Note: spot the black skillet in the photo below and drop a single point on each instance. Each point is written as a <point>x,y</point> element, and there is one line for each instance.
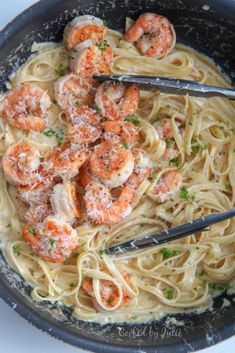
<point>206,25</point>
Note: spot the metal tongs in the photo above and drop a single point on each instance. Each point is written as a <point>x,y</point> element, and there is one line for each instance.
<point>170,85</point>
<point>199,225</point>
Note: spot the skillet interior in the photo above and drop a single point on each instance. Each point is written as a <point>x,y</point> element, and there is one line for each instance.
<point>210,31</point>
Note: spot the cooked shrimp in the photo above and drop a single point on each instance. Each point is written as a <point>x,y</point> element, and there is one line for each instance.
<point>116,100</point>
<point>82,28</point>
<point>53,239</point>
<point>70,90</point>
<point>20,163</point>
<point>85,176</point>
<point>85,126</point>
<point>36,214</point>
<point>91,60</point>
<point>38,192</point>
<point>65,201</point>
<point>167,186</point>
<point>108,292</point>
<point>102,209</point>
<point>122,131</point>
<point>65,161</point>
<point>153,35</point>
<point>165,132</point>
<point>26,107</point>
<point>112,163</point>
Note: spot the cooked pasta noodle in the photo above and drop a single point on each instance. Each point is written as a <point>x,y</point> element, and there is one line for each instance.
<point>177,276</point>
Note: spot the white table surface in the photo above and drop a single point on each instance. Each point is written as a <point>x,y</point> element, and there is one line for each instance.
<point>16,334</point>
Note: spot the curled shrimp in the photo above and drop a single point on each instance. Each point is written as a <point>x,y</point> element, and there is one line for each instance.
<point>153,35</point>
<point>20,163</point>
<point>116,100</point>
<point>38,213</point>
<point>100,206</point>
<point>165,132</point>
<point>26,107</point>
<point>112,163</point>
<point>65,161</point>
<point>53,240</point>
<point>82,28</point>
<point>65,201</point>
<point>88,60</point>
<point>85,127</point>
<point>121,131</point>
<point>37,192</point>
<point>166,186</point>
<point>70,90</point>
<point>108,292</point>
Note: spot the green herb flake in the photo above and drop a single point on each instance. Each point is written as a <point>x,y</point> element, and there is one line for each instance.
<point>16,249</point>
<point>59,134</point>
<point>134,317</point>
<point>168,142</point>
<point>201,273</point>
<point>154,175</point>
<point>105,23</point>
<point>175,161</point>
<point>102,46</point>
<point>83,244</point>
<point>182,126</point>
<point>48,132</point>
<point>169,294</point>
<point>52,241</point>
<point>167,253</point>
<point>219,286</point>
<point>96,108</point>
<point>61,70</point>
<point>31,229</point>
<point>184,195</point>
<point>74,50</point>
<point>125,146</point>
<point>8,226</point>
<point>234,150</point>
<point>72,285</point>
<point>101,251</point>
<point>132,120</point>
<point>102,120</point>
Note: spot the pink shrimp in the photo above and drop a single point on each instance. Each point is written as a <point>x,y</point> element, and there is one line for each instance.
<point>71,91</point>
<point>122,131</point>
<point>85,126</point>
<point>83,28</point>
<point>53,240</point>
<point>116,100</point>
<point>167,186</point>
<point>20,163</point>
<point>26,107</point>
<point>153,35</point>
<point>91,60</point>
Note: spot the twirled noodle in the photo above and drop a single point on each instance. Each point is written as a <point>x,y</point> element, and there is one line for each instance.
<point>167,278</point>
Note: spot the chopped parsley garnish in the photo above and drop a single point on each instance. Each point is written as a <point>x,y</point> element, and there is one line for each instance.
<point>175,161</point>
<point>184,195</point>
<point>234,150</point>
<point>219,286</point>
<point>102,120</point>
<point>8,226</point>
<point>77,103</point>
<point>197,146</point>
<point>125,146</point>
<point>154,176</point>
<point>102,46</point>
<point>48,132</point>
<point>74,50</point>
<point>167,253</point>
<point>132,120</point>
<point>61,70</point>
<point>52,241</point>
<point>134,317</point>
<point>83,244</point>
<point>169,294</point>
<point>101,251</point>
<point>105,23</point>
<point>32,229</point>
<point>72,285</point>
<point>201,273</point>
<point>16,249</point>
<point>168,142</point>
<point>58,133</point>
<point>182,126</point>
<point>96,108</point>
